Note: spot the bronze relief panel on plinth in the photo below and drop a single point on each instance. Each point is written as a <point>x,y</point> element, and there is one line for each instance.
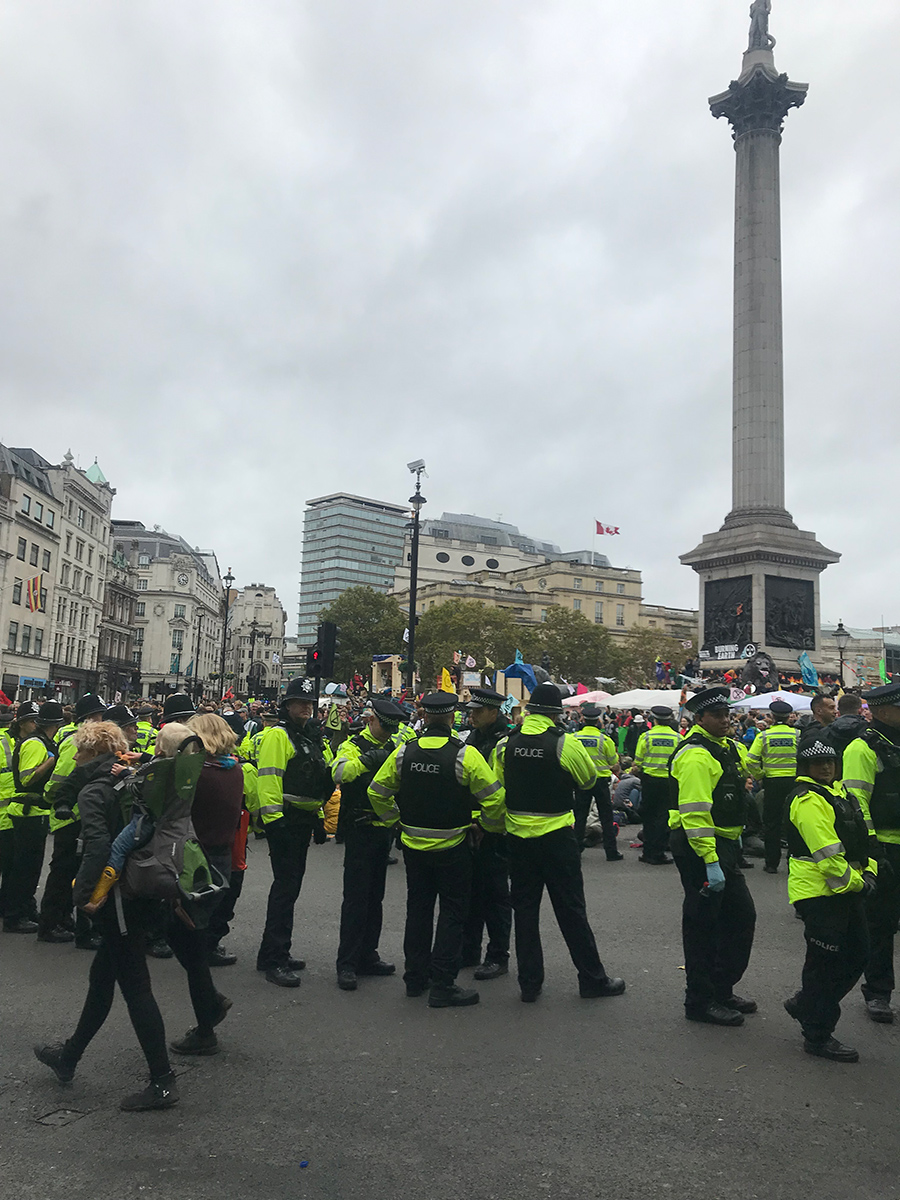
<point>790,613</point>
<point>727,617</point>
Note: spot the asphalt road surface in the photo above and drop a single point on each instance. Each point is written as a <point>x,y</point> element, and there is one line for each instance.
<point>383,1097</point>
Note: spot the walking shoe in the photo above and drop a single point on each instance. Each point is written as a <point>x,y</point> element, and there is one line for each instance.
<point>610,987</point>
<point>54,1057</point>
<point>159,949</point>
<point>392,862</point>
<point>378,967</point>
<point>220,957</point>
<point>879,1009</point>
<point>714,1014</point>
<point>792,1006</point>
<point>195,1042</point>
<point>283,977</point>
<point>529,995</point>
<point>94,942</point>
<point>491,968</point>
<point>416,989</point>
<point>346,979</point>
<point>661,860</point>
<point>739,1004</point>
<point>771,870</point>
<point>451,997</point>
<point>617,857</point>
<point>832,1049</point>
<point>745,864</point>
<point>224,1005</point>
<point>293,964</point>
<point>20,926</point>
<point>159,1093</point>
<point>57,936</point>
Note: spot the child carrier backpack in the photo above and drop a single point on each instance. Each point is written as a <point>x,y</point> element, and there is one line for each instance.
<point>172,864</point>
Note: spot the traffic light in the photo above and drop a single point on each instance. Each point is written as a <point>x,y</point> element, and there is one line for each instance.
<point>329,646</point>
<point>313,660</point>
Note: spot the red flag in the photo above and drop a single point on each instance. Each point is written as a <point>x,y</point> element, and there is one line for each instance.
<point>610,529</point>
<point>33,594</point>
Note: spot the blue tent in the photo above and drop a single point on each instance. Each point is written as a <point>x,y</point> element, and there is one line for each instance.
<point>521,671</point>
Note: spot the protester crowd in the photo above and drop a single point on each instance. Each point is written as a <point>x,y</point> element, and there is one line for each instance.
<point>149,812</point>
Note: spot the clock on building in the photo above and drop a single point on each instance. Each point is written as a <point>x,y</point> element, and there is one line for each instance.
<point>182,580</point>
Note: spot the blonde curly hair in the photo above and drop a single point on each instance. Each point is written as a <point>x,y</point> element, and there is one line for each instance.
<point>99,737</point>
<point>216,735</point>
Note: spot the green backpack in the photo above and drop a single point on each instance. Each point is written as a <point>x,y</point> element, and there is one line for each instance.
<point>172,864</point>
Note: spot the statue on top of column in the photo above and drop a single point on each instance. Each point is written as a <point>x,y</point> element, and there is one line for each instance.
<point>760,38</point>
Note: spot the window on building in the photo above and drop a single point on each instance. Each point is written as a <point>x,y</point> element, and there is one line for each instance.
<point>102,563</point>
<point>652,624</point>
<point>70,648</point>
<point>64,575</point>
<point>13,640</point>
<point>85,613</point>
<point>26,503</point>
<point>598,612</point>
<point>136,659</point>
<point>57,647</point>
<point>179,610</point>
<point>69,509</point>
<point>543,614</point>
<point>38,512</point>
<point>26,639</point>
<point>142,585</point>
<point>51,518</point>
<point>68,543</point>
<point>21,549</point>
<point>39,642</point>
<point>45,561</point>
<point>79,550</point>
<point>93,523</point>
<point>17,591</point>
<point>143,560</point>
<point>442,556</point>
<point>88,584</point>
<point>620,589</point>
<point>620,614</point>
<point>576,583</point>
<point>492,564</point>
<point>576,604</point>
<point>73,615</point>
<point>35,552</point>
<point>79,662</point>
<point>598,585</point>
<point>90,555</point>
<point>138,637</point>
<point>79,521</point>
<point>76,579</point>
<point>440,533</point>
<point>177,639</point>
<point>140,608</point>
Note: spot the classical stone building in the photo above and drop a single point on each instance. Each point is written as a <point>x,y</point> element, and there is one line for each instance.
<point>178,611</point>
<point>116,665</point>
<point>256,642</point>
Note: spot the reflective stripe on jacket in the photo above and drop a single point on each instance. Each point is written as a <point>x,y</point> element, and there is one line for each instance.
<point>573,758</point>
<point>773,754</point>
<point>826,872</point>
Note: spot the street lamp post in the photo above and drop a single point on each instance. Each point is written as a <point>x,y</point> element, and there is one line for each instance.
<point>416,500</point>
<point>841,637</point>
<point>229,580</point>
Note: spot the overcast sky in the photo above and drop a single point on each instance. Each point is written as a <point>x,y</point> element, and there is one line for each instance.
<point>256,251</point>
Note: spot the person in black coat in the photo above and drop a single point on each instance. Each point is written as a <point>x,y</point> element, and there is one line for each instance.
<point>121,957</point>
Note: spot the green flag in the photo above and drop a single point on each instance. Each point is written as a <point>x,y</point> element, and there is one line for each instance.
<point>882,671</point>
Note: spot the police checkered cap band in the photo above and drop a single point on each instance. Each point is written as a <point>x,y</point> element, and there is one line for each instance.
<point>440,702</point>
<point>888,694</point>
<point>483,698</point>
<point>817,749</point>
<point>711,698</point>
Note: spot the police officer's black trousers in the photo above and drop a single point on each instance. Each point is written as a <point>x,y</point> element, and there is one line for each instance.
<point>775,794</point>
<point>837,946</point>
<point>883,914</point>
<point>288,839</point>
<point>599,793</point>
<point>366,851</point>
<point>56,902</point>
<point>552,861</point>
<point>655,814</point>
<point>29,839</point>
<point>490,904</point>
<point>446,876</point>
<point>7,858</point>
<point>716,927</point>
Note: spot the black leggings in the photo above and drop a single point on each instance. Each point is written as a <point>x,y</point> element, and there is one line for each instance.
<point>122,959</point>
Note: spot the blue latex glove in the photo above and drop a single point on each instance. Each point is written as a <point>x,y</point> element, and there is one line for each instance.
<point>715,877</point>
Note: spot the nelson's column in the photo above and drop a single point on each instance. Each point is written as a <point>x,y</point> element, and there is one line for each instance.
<point>759,574</point>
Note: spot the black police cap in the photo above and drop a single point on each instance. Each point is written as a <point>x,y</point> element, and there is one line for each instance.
<point>888,693</point>
<point>436,703</point>
<point>388,712</point>
<point>711,697</point>
<point>485,698</point>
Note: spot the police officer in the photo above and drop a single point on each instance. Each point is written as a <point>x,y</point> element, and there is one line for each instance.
<point>871,769</point>
<point>718,915</point>
<point>55,919</point>
<point>367,842</point>
<point>829,875</point>
<point>33,757</point>
<point>146,740</point>
<point>651,761</point>
<point>293,781</point>
<point>431,786</point>
<point>540,767</point>
<point>490,904</point>
<point>773,759</point>
<point>6,790</point>
<point>603,754</point>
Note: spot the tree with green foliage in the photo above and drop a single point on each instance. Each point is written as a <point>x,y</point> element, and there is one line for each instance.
<point>488,634</point>
<point>638,652</point>
<point>579,650</point>
<point>370,623</point>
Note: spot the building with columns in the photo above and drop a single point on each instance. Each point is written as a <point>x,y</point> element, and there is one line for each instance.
<point>256,642</point>
<point>759,573</point>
